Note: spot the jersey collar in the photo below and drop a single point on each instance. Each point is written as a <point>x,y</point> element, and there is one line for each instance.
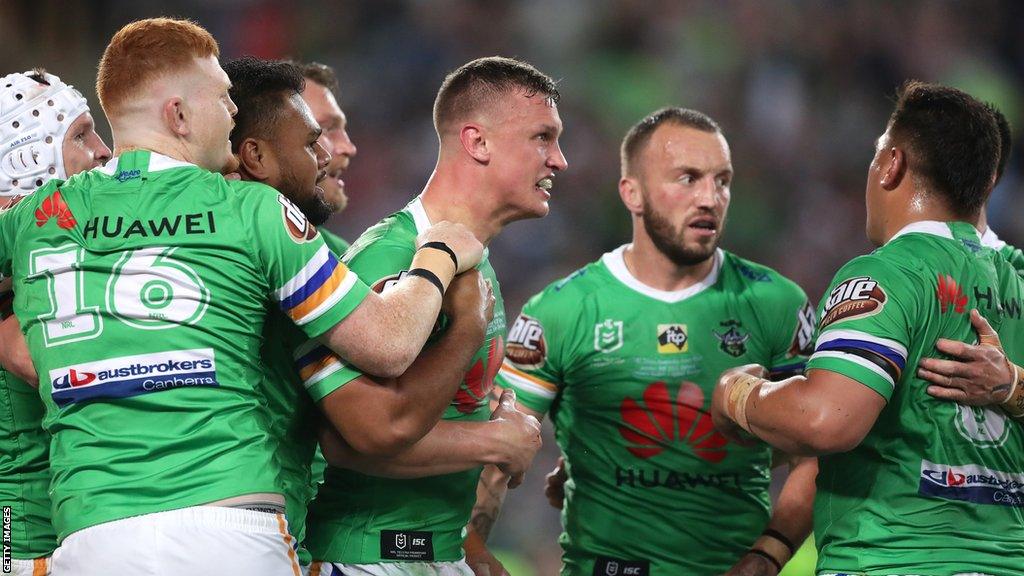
<point>933,227</point>
<point>137,158</point>
<point>616,264</point>
<point>422,222</point>
<point>990,239</point>
<point>419,214</point>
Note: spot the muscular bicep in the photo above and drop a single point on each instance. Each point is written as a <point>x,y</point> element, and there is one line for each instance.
<point>14,354</point>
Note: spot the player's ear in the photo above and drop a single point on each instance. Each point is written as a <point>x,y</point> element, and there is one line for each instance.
<point>474,142</point>
<point>254,161</point>
<point>629,191</point>
<point>176,117</point>
<point>895,168</point>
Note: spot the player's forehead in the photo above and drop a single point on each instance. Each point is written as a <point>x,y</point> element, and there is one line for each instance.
<point>301,117</point>
<point>675,145</point>
<point>519,109</point>
<point>322,102</point>
<point>209,71</point>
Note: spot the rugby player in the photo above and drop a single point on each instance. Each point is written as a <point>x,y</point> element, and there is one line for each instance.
<point>321,95</point>
<point>46,131</point>
<point>977,375</point>
<point>498,128</point>
<point>157,281</point>
<point>911,485</point>
<point>625,353</point>
<point>278,142</point>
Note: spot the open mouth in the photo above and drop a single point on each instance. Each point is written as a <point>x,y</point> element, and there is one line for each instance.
<point>704,225</point>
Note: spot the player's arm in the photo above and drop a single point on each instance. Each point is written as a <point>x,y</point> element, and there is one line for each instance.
<point>14,351</point>
<point>386,332</point>
<point>490,495</point>
<point>509,440</point>
<point>977,375</point>
<point>821,413</point>
<point>790,524</point>
<point>378,417</point>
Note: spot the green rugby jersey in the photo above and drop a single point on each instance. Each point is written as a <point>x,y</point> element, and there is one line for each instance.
<point>359,519</point>
<point>293,413</point>
<point>1015,256</point>
<point>24,459</point>
<point>142,287</point>
<point>25,469</point>
<point>935,487</point>
<point>627,372</point>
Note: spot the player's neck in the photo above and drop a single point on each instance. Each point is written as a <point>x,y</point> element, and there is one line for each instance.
<point>126,142</point>
<point>923,206</point>
<point>652,268</point>
<point>449,197</point>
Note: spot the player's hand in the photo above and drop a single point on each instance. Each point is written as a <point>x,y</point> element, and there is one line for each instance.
<point>480,559</point>
<point>554,484</point>
<point>483,563</point>
<point>752,565</point>
<point>469,298</point>
<point>520,435</point>
<point>979,375</point>
<point>467,248</point>
<point>719,400</point>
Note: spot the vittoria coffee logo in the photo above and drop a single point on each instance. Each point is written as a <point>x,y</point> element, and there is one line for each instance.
<point>55,207</point>
<point>854,298</point>
<point>657,421</point>
<point>526,345</point>
<point>295,221</point>
<point>950,295</point>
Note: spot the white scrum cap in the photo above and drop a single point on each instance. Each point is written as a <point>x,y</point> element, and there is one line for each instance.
<point>34,117</point>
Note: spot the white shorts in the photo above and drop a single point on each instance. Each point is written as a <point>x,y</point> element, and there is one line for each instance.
<point>196,541</point>
<point>34,567</point>
<point>459,568</point>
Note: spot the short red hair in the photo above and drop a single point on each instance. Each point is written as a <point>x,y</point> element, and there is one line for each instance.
<point>145,49</point>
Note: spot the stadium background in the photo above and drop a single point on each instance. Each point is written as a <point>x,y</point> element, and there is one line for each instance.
<point>800,88</point>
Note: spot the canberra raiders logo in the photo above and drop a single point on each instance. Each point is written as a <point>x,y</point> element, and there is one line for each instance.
<point>732,341</point>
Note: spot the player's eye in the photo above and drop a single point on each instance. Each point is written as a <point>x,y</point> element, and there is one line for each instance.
<point>687,179</point>
<point>722,182</point>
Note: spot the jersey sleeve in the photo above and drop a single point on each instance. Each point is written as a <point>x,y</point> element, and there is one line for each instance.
<point>310,284</point>
<point>533,364</point>
<point>321,370</point>
<point>791,330</point>
<point>866,323</point>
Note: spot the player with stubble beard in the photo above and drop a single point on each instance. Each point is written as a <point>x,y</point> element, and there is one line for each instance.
<point>625,353</point>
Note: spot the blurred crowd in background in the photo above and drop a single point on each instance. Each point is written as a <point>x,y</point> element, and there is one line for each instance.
<point>801,89</point>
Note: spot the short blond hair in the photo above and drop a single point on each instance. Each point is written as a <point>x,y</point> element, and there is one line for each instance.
<point>145,49</point>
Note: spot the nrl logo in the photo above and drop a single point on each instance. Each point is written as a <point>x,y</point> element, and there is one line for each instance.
<point>732,341</point>
<point>400,541</point>
<point>608,336</point>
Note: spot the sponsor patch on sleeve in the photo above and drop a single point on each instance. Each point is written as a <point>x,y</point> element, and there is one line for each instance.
<point>854,298</point>
<point>295,221</point>
<point>803,340</point>
<point>526,345</point>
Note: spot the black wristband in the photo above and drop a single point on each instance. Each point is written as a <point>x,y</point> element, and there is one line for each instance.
<point>772,533</point>
<point>769,557</point>
<point>428,276</point>
<point>444,248</point>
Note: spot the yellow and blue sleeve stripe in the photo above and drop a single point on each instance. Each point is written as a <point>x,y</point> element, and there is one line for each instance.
<point>323,288</point>
<point>321,370</point>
